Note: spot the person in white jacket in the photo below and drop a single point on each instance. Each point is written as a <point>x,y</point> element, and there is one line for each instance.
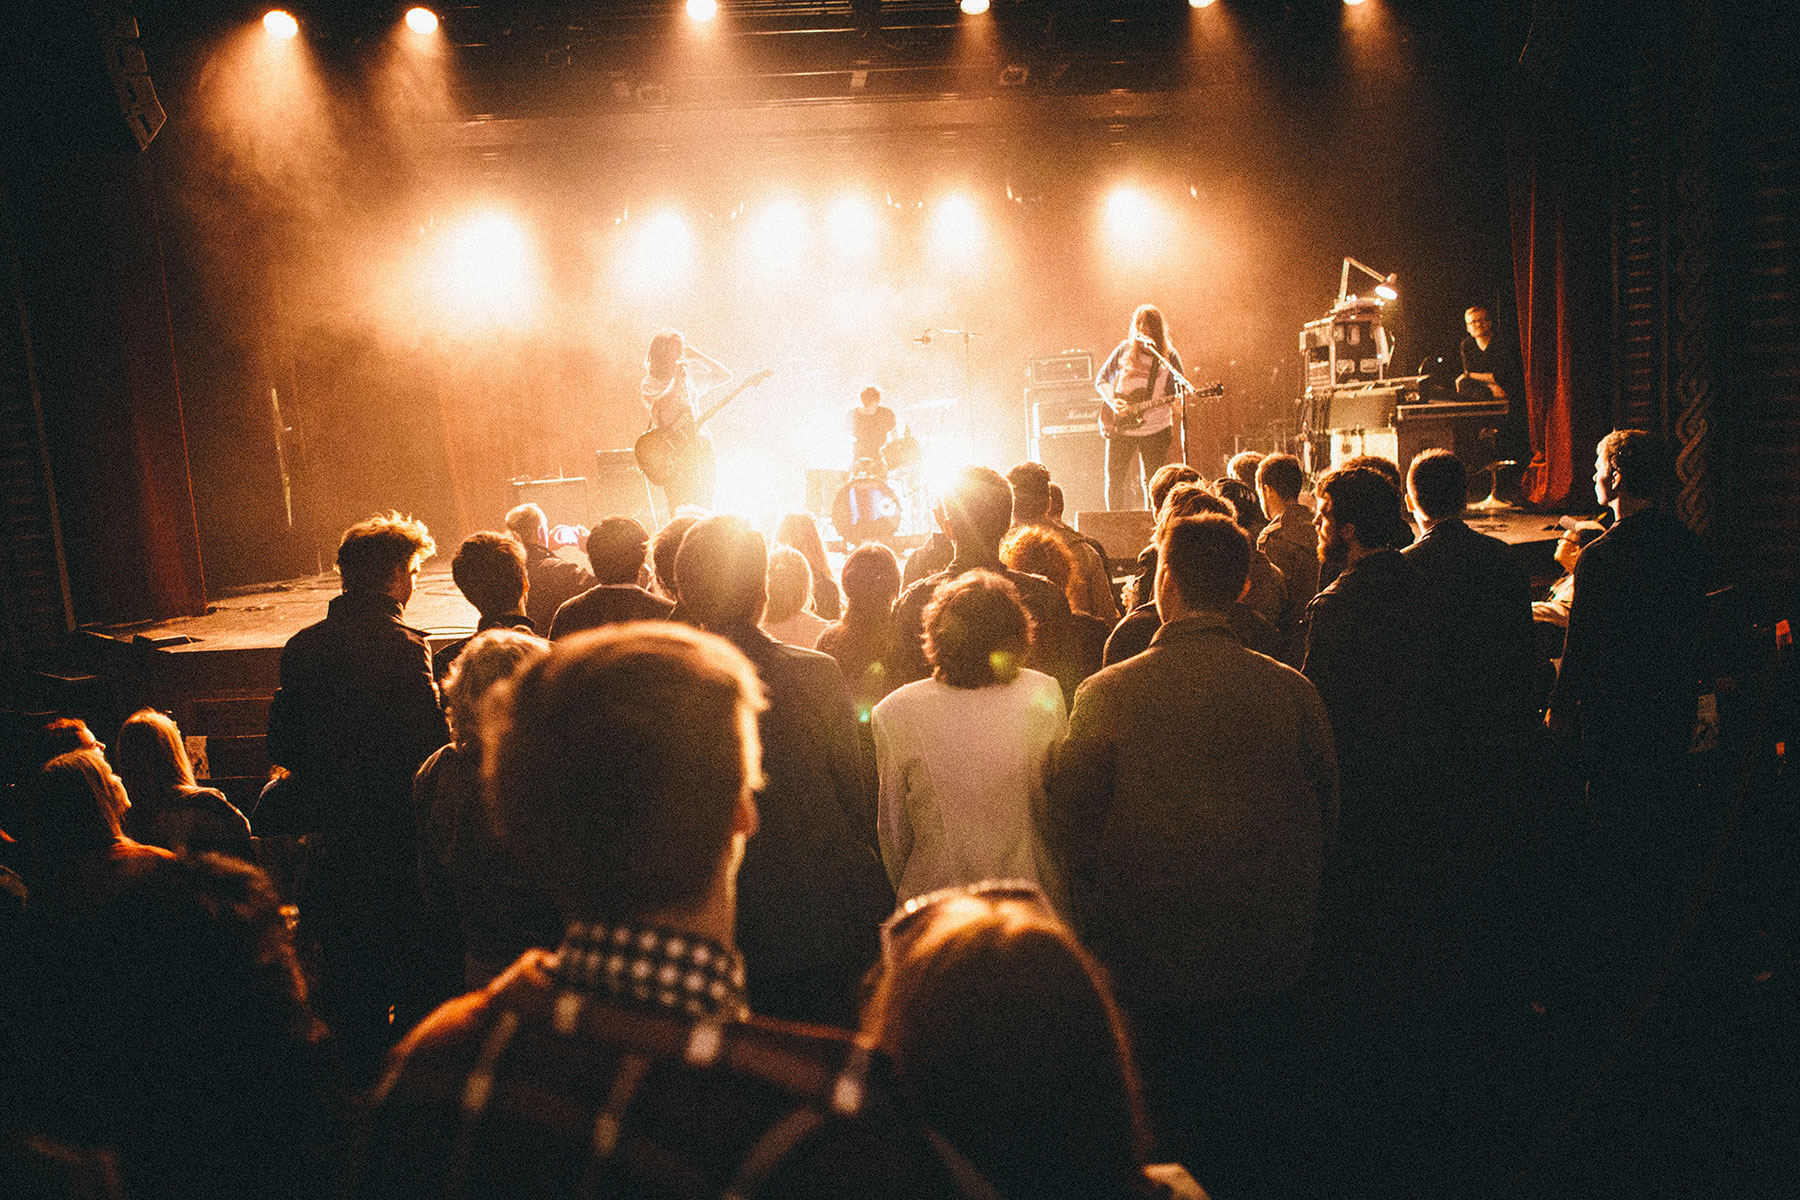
<point>963,755</point>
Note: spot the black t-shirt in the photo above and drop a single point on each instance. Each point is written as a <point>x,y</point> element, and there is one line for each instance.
<point>1476,359</point>
<point>1497,360</point>
<point>870,428</point>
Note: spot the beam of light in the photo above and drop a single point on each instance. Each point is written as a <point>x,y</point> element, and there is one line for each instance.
<point>656,257</point>
<point>974,8</point>
<point>1200,3</point>
<point>421,20</point>
<point>702,10</point>
<point>1354,3</point>
<point>853,225</point>
<point>943,456</point>
<point>957,230</point>
<point>280,23</point>
<point>751,489</point>
<point>1134,223</point>
<point>775,236</point>
<point>486,271</point>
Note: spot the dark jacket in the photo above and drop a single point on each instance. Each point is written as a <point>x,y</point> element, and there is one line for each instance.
<point>608,604</point>
<point>355,715</point>
<point>1632,656</point>
<point>812,893</point>
<point>1134,632</point>
<point>447,654</point>
<point>554,581</point>
<point>1374,656</point>
<point>1483,601</point>
<point>1195,800</point>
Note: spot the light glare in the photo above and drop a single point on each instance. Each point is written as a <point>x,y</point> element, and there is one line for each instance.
<point>852,225</point>
<point>421,20</point>
<point>487,273</point>
<point>956,228</point>
<point>974,8</point>
<point>1135,224</point>
<point>280,24</point>
<point>1353,3</point>
<point>775,236</point>
<point>1200,3</point>
<point>702,10</point>
<point>1128,211</point>
<point>657,257</point>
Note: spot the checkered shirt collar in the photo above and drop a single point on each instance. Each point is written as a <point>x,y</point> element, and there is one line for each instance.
<point>646,967</point>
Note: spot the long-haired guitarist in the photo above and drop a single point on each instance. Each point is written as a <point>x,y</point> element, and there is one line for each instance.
<point>669,392</point>
<point>1140,392</point>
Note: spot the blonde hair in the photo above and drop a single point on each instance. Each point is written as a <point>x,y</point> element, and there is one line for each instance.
<point>151,755</point>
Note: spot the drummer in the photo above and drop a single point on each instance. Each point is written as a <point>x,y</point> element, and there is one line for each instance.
<point>871,426</point>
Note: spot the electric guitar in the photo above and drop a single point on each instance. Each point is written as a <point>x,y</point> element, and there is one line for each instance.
<point>1122,414</point>
<point>678,452</point>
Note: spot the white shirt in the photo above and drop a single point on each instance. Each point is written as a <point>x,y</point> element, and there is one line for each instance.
<point>962,782</point>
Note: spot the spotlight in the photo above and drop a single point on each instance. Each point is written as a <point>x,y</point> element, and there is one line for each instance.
<point>280,24</point>
<point>656,255</point>
<point>956,228</point>
<point>421,20</point>
<point>1200,3</point>
<point>775,236</point>
<point>853,225</point>
<point>1129,210</point>
<point>487,270</point>
<point>974,8</point>
<point>1353,3</point>
<point>703,10</point>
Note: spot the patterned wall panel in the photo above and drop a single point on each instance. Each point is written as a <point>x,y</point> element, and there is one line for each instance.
<point>34,585</point>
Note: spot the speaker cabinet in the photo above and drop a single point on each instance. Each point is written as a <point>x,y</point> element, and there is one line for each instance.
<point>1077,462</point>
<point>564,500</point>
<point>1123,533</point>
<point>619,489</point>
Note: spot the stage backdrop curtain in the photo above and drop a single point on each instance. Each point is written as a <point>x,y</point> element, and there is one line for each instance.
<point>1538,192</point>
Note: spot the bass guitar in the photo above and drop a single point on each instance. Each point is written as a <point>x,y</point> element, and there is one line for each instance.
<point>677,453</point>
<point>1122,414</point>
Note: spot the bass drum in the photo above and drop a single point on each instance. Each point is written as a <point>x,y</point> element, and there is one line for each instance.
<point>865,510</point>
<point>901,454</point>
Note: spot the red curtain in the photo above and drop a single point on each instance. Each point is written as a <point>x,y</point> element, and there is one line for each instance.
<point>1538,192</point>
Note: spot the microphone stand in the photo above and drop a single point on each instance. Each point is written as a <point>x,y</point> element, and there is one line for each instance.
<point>968,375</point>
<point>1183,389</point>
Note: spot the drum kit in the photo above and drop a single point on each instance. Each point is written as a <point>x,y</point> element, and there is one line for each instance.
<point>889,497</point>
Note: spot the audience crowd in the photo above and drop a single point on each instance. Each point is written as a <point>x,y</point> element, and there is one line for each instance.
<point>703,871</point>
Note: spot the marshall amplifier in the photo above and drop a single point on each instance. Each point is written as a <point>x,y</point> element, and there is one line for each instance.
<point>1059,418</point>
<point>1065,436</point>
<point>1071,366</point>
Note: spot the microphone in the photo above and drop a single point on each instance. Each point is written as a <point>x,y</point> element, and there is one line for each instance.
<point>924,339</point>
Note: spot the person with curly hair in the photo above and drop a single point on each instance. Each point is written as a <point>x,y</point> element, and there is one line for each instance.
<point>962,755</point>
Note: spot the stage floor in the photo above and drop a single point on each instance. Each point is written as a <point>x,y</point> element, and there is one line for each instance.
<point>264,617</point>
<point>261,616</point>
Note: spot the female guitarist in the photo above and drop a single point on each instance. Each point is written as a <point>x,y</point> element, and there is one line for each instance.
<point>686,463</point>
<point>1140,393</point>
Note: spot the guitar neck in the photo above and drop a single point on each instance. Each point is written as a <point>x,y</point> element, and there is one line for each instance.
<point>713,410</point>
<point>748,383</point>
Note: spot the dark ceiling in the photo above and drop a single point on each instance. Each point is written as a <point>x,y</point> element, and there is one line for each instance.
<point>530,58</point>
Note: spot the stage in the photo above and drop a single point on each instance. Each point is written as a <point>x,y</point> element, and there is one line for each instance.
<point>216,673</point>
